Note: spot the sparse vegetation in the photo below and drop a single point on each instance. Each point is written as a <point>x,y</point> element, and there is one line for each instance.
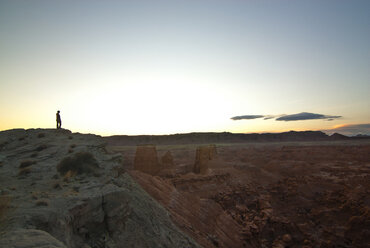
<point>120,170</point>
<point>41,147</point>
<point>25,167</point>
<point>41,135</point>
<point>24,171</point>
<point>42,202</point>
<point>80,163</point>
<point>4,209</point>
<point>26,163</point>
<point>57,185</point>
<point>4,206</point>
<point>69,175</point>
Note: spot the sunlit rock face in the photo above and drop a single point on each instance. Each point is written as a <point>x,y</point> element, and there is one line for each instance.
<point>203,156</point>
<point>146,159</point>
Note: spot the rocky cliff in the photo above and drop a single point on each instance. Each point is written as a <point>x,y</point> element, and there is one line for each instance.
<point>52,196</point>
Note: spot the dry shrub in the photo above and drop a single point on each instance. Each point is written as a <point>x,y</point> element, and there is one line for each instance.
<point>41,147</point>
<point>69,175</point>
<point>24,171</point>
<point>4,209</point>
<point>26,163</point>
<point>119,170</point>
<point>79,163</point>
<point>41,135</point>
<point>4,206</point>
<point>57,185</point>
<point>42,202</point>
<point>35,195</point>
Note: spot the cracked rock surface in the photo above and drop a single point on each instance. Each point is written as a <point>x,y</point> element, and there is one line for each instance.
<point>40,207</point>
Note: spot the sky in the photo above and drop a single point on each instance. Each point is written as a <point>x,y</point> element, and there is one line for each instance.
<point>164,67</point>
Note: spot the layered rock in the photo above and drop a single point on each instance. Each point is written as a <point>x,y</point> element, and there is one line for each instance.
<point>167,161</point>
<point>146,159</point>
<point>204,154</point>
<point>83,209</point>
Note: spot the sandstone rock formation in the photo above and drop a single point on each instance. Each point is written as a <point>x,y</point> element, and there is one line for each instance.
<point>272,195</point>
<point>203,155</point>
<point>167,161</point>
<point>146,159</point>
<point>86,210</point>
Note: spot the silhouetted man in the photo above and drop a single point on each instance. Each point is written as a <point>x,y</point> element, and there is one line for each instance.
<point>59,121</point>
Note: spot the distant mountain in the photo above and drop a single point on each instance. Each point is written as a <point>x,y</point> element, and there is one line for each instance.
<point>338,136</point>
<point>225,137</point>
<point>361,136</point>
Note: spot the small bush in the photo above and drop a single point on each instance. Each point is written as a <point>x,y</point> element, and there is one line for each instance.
<point>24,171</point>
<point>80,163</point>
<point>41,135</point>
<point>69,175</point>
<point>26,163</point>
<point>4,209</point>
<point>42,202</point>
<point>57,185</point>
<point>4,206</point>
<point>41,147</point>
<point>34,155</point>
<point>72,146</point>
<point>70,137</point>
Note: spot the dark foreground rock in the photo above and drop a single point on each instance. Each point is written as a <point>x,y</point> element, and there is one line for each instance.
<point>45,208</point>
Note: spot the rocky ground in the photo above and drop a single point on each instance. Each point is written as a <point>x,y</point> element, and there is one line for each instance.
<point>63,189</point>
<point>264,194</point>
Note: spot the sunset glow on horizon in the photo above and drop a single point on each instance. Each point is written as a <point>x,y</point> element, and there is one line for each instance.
<point>148,67</point>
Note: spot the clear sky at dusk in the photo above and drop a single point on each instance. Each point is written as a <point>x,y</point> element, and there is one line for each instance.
<point>161,67</point>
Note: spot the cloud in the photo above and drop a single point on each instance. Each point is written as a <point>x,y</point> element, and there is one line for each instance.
<point>268,117</point>
<point>246,117</point>
<point>293,117</point>
<point>306,116</point>
<point>350,129</point>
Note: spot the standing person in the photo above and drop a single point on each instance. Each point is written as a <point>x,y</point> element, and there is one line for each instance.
<point>59,121</point>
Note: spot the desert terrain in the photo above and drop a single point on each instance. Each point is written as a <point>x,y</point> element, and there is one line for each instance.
<point>262,194</point>
<point>62,189</point>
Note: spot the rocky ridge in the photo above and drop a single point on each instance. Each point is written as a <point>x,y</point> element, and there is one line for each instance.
<point>104,207</point>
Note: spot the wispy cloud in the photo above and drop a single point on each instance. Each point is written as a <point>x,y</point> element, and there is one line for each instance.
<point>350,129</point>
<point>246,117</point>
<point>306,116</point>
<point>293,117</point>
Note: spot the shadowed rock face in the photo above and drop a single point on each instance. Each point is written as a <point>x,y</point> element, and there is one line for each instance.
<point>167,161</point>
<point>44,209</point>
<point>146,159</point>
<point>203,156</point>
